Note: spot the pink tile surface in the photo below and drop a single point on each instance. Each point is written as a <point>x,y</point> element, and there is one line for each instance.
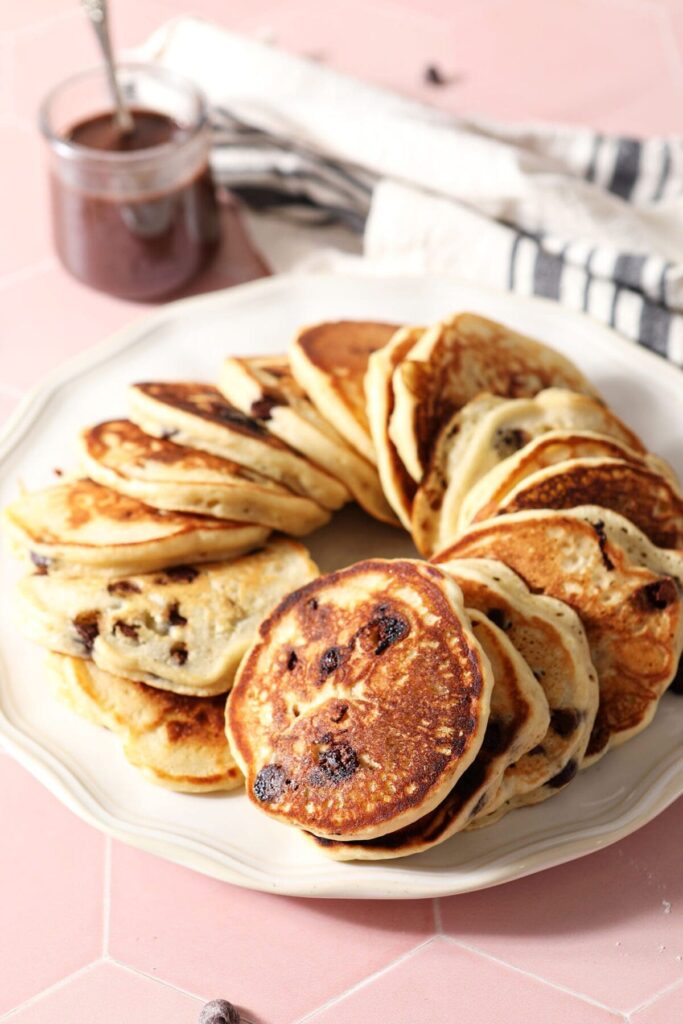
<point>628,898</point>
<point>443,983</point>
<point>608,928</point>
<point>106,993</point>
<point>246,946</point>
<point>51,877</point>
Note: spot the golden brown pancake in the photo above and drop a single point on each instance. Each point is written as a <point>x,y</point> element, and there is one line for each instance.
<point>176,477</point>
<point>626,592</point>
<point>329,361</point>
<point>79,524</point>
<point>362,702</point>
<point>517,721</point>
<point>177,742</point>
<point>458,359</point>
<point>197,415</point>
<point>643,496</point>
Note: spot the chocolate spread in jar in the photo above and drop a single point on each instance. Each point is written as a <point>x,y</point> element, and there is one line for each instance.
<point>146,246</point>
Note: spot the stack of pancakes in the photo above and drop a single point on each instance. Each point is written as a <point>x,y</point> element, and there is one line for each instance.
<point>384,707</point>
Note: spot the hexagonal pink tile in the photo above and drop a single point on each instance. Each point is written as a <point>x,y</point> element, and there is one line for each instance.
<point>608,926</point>
<point>443,983</point>
<point>51,885</point>
<point>23,200</point>
<point>277,957</point>
<point>664,1010</point>
<point>106,993</point>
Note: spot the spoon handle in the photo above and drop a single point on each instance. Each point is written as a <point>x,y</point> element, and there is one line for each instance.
<point>97,13</point>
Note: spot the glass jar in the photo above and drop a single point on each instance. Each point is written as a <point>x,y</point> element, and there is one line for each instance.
<point>135,216</point>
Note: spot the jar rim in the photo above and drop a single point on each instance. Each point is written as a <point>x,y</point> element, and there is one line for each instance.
<point>71,150</point>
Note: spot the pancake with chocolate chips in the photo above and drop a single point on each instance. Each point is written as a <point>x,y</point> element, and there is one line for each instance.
<point>182,629</point>
<point>170,476</point>
<point>454,361</point>
<point>645,497</point>
<point>177,742</point>
<point>518,719</point>
<point>363,700</point>
<point>197,415</point>
<point>329,361</point>
<point>486,496</point>
<point>79,525</point>
<point>486,432</point>
<point>551,639</point>
<point>397,482</point>
<point>264,387</point>
<point>626,591</point>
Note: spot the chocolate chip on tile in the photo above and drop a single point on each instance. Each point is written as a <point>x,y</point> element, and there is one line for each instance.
<point>219,1011</point>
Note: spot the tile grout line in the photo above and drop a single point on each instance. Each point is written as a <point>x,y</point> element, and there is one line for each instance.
<point>106,896</point>
<point>341,996</point>
<point>55,987</point>
<point>151,977</point>
<point>535,977</point>
<point>678,983</point>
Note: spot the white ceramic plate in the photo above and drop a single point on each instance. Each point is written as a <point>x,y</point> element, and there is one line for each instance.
<point>223,835</point>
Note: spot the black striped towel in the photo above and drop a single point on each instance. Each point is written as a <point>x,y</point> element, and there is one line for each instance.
<point>590,220</point>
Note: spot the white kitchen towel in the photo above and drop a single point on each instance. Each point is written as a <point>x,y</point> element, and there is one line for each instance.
<point>590,220</point>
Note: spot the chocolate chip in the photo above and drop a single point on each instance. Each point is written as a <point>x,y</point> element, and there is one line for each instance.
<point>312,604</point>
<point>263,407</point>
<point>166,435</point>
<point>434,76</point>
<point>292,661</point>
<point>497,617</point>
<point>390,629</point>
<point>219,1011</point>
<point>174,617</point>
<point>269,783</point>
<point>181,573</point>
<point>537,750</point>
<point>123,587</point>
<point>658,594</point>
<point>330,661</point>
<point>599,528</point>
<point>508,441</point>
<point>497,736</point>
<point>178,654</point>
<point>563,777</point>
<point>128,629</point>
<point>41,562</point>
<point>335,764</point>
<point>340,714</point>
<point>564,721</point>
<point>87,627</point>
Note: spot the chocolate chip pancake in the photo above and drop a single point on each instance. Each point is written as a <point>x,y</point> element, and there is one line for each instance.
<point>518,719</point>
<point>329,361</point>
<point>166,475</point>
<point>626,591</point>
<point>364,699</point>
<point>486,432</point>
<point>486,496</point>
<point>456,360</point>
<point>197,415</point>
<point>264,388</point>
<point>652,504</point>
<point>79,525</point>
<point>551,639</point>
<point>177,742</point>
<point>397,482</point>
<point>184,628</point>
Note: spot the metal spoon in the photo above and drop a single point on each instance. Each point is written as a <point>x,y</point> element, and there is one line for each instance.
<point>97,13</point>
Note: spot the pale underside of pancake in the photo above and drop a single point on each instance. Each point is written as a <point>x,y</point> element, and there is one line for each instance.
<point>264,387</point>
<point>197,415</point>
<point>329,361</point>
<point>397,482</point>
<point>636,492</point>
<point>626,591</point>
<point>79,525</point>
<point>458,359</point>
<point>484,433</point>
<point>551,639</point>
<point>485,497</point>
<point>518,719</point>
<point>362,702</point>
<point>182,629</point>
<point>177,742</point>
<point>166,475</point>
